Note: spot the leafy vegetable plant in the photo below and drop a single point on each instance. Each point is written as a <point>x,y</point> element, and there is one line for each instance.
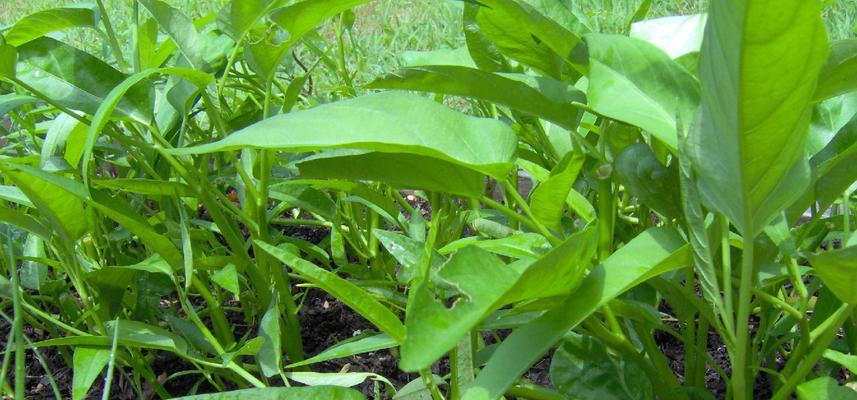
<point>546,193</point>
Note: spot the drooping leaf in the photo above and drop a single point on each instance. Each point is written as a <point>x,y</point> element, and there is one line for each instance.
<point>410,172</point>
<point>64,210</point>
<point>88,364</point>
<point>655,251</point>
<point>471,82</point>
<point>65,138</point>
<point>839,73</point>
<point>300,18</point>
<point>635,82</point>
<point>283,393</point>
<point>838,270</point>
<point>11,101</point>
<point>271,354</point>
<point>386,122</point>
<point>78,80</point>
<point>648,180</point>
<point>748,145</point>
<point>523,34</point>
<point>353,296</point>
<point>41,23</point>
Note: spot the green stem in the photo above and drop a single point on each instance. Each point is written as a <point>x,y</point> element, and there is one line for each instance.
<point>827,333</point>
<point>742,384</point>
<point>111,36</point>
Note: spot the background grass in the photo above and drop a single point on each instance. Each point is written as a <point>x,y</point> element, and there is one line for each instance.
<point>384,29</point>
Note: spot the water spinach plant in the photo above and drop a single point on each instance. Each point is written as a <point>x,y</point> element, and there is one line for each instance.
<point>545,192</point>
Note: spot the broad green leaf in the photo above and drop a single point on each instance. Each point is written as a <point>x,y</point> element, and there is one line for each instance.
<point>846,360</point>
<point>496,88</point>
<point>387,122</point>
<point>518,245</point>
<point>676,35</point>
<point>264,52</point>
<point>15,195</point>
<point>456,57</point>
<point>648,180</point>
<point>748,144</point>
<point>828,118</point>
<point>653,252</point>
<point>353,296</point>
<point>832,166</point>
<point>65,137</point>
<point>410,172</point>
<point>154,264</point>
<point>17,217</point>
<point>11,101</point>
<point>341,379</point>
<point>838,270</point>
<point>527,36</point>
<point>825,388</point>
<point>180,29</point>
<point>63,209</point>
<point>150,187</point>
<point>227,278</point>
<point>350,348</point>
<point>8,59</point>
<point>79,80</point>
<point>33,273</point>
<point>839,73</point>
<point>88,364</point>
<point>41,23</point>
<point>283,393</point>
<point>270,356</point>
<point>635,82</point>
<point>300,18</point>
<point>484,283</point>
<point>547,201</point>
<point>237,17</point>
<point>434,328</point>
<point>582,368</point>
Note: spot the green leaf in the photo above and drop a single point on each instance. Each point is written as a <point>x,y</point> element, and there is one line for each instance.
<point>149,187</point>
<point>180,29</point>
<point>846,360</point>
<point>227,278</point>
<point>78,80</point>
<point>547,201</point>
<point>410,172</point>
<point>65,137</point>
<point>635,82</point>
<point>825,388</point>
<point>353,296</point>
<point>648,180</point>
<point>61,208</point>
<point>839,73</point>
<point>300,18</point>
<point>531,98</point>
<point>484,283</point>
<point>270,356</point>
<point>41,23</point>
<point>342,379</point>
<point>11,101</point>
<point>748,145</point>
<point>518,245</point>
<point>676,35</point>
<point>8,59</point>
<point>653,252</point>
<point>525,35</point>
<point>33,274</point>
<point>15,195</point>
<point>386,122</point>
<point>237,17</point>
<point>838,270</point>
<point>88,363</point>
<point>283,393</point>
<point>350,348</point>
<point>582,368</point>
